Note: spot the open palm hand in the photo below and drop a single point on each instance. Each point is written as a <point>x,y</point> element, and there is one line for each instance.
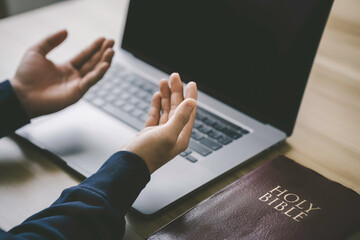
<point>44,87</point>
<point>169,124</point>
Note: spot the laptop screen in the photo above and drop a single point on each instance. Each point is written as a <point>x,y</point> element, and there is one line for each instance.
<point>255,55</point>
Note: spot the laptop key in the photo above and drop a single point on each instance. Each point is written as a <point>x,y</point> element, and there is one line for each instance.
<point>115,79</point>
<point>200,116</point>
<point>197,135</point>
<point>136,113</point>
<point>132,90</point>
<point>210,143</point>
<point>209,121</point>
<point>141,94</point>
<point>224,139</point>
<point>231,133</point>
<point>205,129</point>
<point>197,124</point>
<point>220,123</point>
<point>119,103</point>
<point>107,86</point>
<point>110,97</point>
<point>191,159</point>
<point>116,90</point>
<point>214,134</point>
<point>124,96</point>
<point>89,96</point>
<point>185,153</point>
<point>133,100</point>
<point>118,68</point>
<point>137,82</point>
<point>101,93</point>
<point>132,78</point>
<point>197,147</point>
<point>219,126</point>
<point>149,88</point>
<point>124,85</point>
<point>143,105</point>
<point>125,76</point>
<point>98,101</point>
<point>148,98</point>
<point>128,107</point>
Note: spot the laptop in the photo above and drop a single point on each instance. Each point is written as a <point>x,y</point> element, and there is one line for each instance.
<point>250,59</point>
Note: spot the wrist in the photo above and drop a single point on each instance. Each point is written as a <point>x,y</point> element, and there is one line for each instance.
<point>148,164</point>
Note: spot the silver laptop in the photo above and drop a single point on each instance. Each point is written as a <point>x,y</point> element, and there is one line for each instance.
<point>250,59</point>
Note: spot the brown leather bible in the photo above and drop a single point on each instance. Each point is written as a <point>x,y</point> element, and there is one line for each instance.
<point>278,200</point>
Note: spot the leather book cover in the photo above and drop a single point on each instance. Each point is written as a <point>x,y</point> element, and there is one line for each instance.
<point>278,200</point>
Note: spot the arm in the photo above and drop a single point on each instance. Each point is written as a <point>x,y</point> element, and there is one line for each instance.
<point>95,208</point>
<point>41,87</point>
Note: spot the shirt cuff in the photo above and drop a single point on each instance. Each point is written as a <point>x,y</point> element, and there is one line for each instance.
<point>120,180</point>
<point>13,114</point>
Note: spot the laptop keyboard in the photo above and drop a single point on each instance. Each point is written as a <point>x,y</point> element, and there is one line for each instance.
<point>124,95</point>
<point>127,97</point>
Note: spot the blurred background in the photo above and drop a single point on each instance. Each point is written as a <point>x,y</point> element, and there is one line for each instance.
<point>12,7</point>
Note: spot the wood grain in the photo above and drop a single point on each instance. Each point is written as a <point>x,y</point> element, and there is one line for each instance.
<point>326,136</point>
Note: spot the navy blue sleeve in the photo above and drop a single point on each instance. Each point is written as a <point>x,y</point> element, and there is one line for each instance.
<point>95,208</point>
<point>13,115</point>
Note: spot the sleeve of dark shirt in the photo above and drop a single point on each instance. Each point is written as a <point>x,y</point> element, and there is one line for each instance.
<point>12,113</point>
<point>95,208</point>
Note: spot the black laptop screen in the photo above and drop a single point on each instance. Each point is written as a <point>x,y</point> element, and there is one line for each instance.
<point>254,55</point>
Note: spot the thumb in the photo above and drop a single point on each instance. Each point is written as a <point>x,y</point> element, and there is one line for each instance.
<point>181,116</point>
<point>50,42</point>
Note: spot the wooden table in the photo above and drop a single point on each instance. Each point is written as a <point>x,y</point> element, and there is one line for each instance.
<point>326,137</point>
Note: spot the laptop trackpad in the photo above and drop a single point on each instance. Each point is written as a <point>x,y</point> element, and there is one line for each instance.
<point>83,136</point>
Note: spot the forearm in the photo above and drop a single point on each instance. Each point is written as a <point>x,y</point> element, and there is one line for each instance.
<point>95,208</point>
<point>12,113</point>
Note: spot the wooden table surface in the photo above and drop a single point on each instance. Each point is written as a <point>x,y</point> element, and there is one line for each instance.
<point>326,137</point>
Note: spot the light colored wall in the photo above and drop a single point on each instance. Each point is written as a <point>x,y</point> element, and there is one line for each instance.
<point>18,6</point>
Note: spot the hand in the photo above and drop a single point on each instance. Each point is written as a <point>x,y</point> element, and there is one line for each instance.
<point>166,134</point>
<point>44,87</point>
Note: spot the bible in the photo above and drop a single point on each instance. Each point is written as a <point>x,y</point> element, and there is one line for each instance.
<point>278,200</point>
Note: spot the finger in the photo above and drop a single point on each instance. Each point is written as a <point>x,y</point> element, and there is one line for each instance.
<point>176,92</point>
<point>50,42</point>
<point>93,77</point>
<point>191,90</point>
<point>85,54</point>
<point>165,101</point>
<point>190,93</point>
<point>107,56</point>
<point>181,117</point>
<point>154,111</point>
<point>96,57</point>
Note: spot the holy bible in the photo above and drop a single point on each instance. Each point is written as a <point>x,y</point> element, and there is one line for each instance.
<point>278,200</point>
